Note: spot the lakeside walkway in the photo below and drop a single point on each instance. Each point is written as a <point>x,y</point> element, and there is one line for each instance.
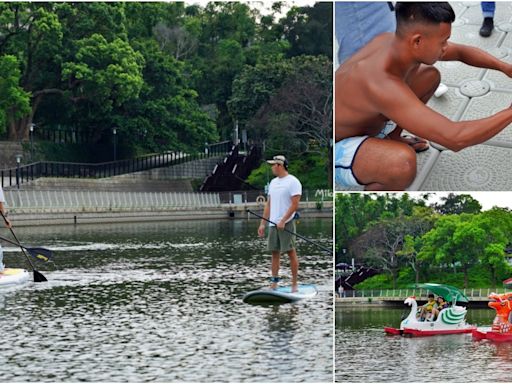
<point>395,297</point>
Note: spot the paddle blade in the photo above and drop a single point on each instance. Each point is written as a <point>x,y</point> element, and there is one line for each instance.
<point>42,254</point>
<point>39,277</point>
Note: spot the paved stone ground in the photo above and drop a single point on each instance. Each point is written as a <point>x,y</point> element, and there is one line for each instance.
<point>473,93</point>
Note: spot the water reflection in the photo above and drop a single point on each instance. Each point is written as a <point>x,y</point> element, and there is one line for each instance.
<point>162,302</point>
<point>365,354</point>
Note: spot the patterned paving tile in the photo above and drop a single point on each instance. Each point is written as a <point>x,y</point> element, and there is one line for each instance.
<point>478,168</point>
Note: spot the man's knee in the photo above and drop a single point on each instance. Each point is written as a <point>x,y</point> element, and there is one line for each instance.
<point>402,167</point>
<point>432,75</point>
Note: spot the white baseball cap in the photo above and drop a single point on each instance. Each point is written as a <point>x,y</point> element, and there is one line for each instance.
<point>279,159</point>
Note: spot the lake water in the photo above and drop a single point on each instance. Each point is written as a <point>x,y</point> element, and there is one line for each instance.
<point>365,354</point>
<point>163,302</point>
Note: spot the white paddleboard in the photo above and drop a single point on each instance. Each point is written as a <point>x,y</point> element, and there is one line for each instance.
<point>280,294</point>
<point>12,276</point>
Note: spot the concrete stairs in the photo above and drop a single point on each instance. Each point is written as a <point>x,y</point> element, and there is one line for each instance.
<point>177,178</point>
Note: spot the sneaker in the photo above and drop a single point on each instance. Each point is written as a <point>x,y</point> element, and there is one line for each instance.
<point>487,27</point>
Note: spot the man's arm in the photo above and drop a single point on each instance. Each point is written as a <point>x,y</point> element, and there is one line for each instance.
<point>266,214</point>
<point>291,210</point>
<point>475,57</point>
<point>396,101</point>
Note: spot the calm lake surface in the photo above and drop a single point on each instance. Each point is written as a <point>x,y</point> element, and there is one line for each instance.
<point>365,354</point>
<point>163,302</point>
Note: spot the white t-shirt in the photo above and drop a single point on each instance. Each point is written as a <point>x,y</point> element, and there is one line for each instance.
<point>281,190</point>
<point>2,197</point>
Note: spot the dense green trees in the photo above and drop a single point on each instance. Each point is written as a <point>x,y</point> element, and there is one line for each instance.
<point>411,242</point>
<point>167,75</point>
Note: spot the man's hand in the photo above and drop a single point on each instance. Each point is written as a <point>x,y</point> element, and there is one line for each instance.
<point>261,230</point>
<point>281,225</point>
<point>507,69</point>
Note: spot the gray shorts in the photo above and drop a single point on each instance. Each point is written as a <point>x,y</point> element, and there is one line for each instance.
<point>280,240</point>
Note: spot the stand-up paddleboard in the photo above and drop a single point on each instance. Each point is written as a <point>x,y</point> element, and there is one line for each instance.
<point>280,295</point>
<point>12,276</point>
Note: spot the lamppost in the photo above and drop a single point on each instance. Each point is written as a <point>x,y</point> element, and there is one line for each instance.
<point>31,129</point>
<point>18,161</point>
<point>114,131</point>
<point>235,134</point>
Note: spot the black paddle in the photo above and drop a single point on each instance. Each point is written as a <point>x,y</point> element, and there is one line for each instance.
<point>38,276</point>
<point>39,253</point>
<point>293,233</point>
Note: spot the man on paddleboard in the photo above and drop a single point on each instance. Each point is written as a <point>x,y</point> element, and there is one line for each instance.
<point>7,224</point>
<point>284,194</point>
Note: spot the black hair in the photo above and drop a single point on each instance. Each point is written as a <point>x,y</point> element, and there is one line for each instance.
<point>408,13</point>
<point>430,295</point>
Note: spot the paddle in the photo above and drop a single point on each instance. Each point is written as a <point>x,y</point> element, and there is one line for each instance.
<point>38,276</point>
<point>37,252</point>
<point>293,233</point>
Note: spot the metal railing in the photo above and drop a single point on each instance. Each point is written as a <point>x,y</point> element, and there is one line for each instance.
<point>251,196</point>
<point>397,294</point>
<point>62,201</point>
<point>63,135</point>
<point>222,147</point>
<point>16,176</point>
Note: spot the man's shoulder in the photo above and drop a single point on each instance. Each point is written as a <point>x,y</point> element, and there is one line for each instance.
<point>292,177</point>
<point>293,180</point>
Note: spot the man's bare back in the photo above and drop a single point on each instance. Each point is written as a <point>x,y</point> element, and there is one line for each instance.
<point>362,75</point>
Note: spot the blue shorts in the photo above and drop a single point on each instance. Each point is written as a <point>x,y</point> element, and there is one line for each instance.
<point>345,152</point>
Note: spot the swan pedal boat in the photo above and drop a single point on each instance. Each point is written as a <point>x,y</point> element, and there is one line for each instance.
<point>13,276</point>
<point>451,320</point>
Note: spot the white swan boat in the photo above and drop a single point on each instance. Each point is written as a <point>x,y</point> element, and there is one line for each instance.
<point>451,320</point>
<point>13,276</point>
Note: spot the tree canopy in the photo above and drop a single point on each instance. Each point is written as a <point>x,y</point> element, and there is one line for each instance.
<point>167,75</point>
<point>410,241</point>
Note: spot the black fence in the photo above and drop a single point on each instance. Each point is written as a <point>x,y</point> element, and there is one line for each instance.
<point>63,135</point>
<point>16,176</point>
<point>219,148</point>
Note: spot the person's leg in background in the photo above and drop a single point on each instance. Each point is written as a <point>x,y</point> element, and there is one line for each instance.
<point>357,23</point>
<point>488,8</point>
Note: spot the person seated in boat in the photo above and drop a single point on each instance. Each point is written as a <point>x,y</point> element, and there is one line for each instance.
<point>441,304</point>
<point>426,309</point>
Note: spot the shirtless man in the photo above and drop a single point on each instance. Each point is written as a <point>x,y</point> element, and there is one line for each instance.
<point>391,79</point>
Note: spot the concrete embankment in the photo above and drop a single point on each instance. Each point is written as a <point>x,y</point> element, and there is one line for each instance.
<point>91,215</point>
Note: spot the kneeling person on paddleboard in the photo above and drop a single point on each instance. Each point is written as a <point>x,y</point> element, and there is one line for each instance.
<point>7,224</point>
<point>284,194</point>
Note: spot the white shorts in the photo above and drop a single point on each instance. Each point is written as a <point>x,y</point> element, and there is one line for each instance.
<point>344,155</point>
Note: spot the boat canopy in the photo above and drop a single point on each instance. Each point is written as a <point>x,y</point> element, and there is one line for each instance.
<point>450,293</point>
